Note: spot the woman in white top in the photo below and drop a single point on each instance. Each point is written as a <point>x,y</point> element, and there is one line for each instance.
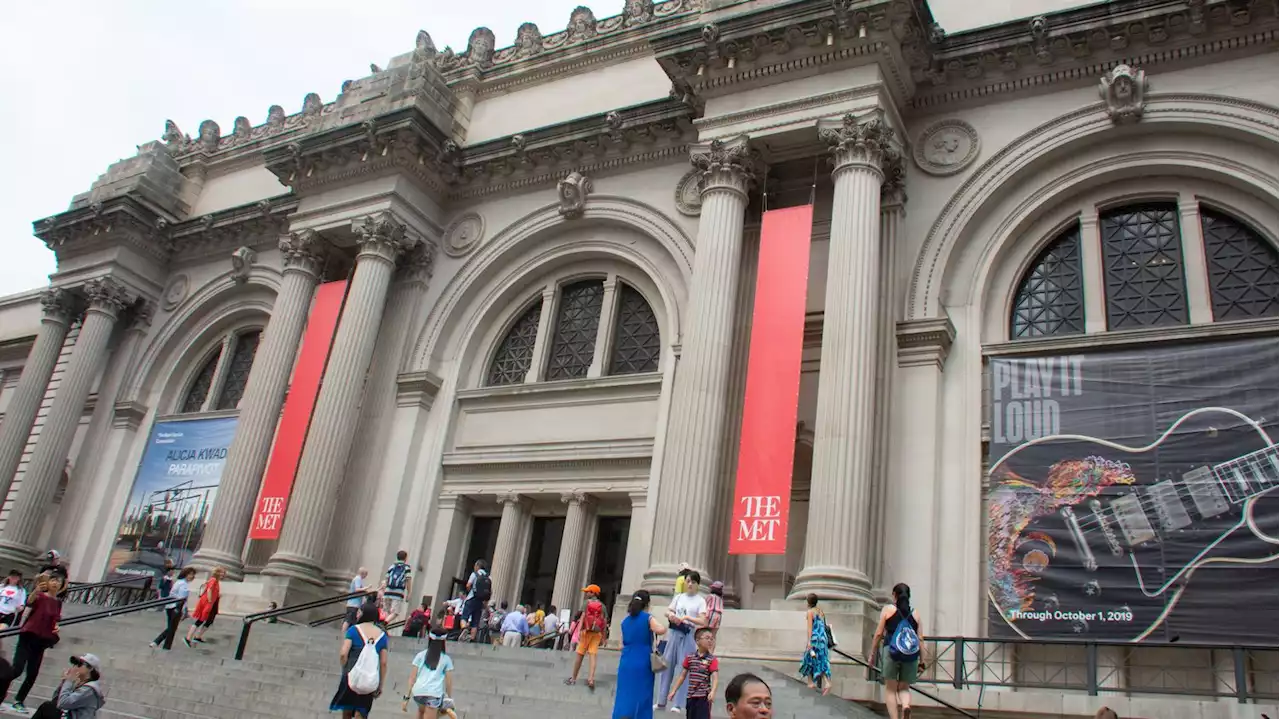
<point>12,599</point>
<point>685,615</point>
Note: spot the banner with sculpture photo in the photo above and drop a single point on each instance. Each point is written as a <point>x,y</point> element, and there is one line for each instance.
<point>173,492</point>
<point>1133,494</point>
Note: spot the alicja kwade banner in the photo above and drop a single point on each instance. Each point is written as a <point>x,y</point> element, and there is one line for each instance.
<point>1133,494</point>
<point>173,491</point>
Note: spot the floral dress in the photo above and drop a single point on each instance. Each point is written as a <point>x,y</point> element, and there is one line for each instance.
<point>817,658</point>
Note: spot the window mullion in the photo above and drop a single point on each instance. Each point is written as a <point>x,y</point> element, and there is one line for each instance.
<point>1194,265</point>
<point>546,326</point>
<point>604,330</point>
<point>220,373</point>
<point>1093,275</point>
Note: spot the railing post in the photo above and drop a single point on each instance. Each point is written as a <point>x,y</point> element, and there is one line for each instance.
<point>1242,675</point>
<point>244,641</point>
<point>1091,668</point>
<point>957,676</point>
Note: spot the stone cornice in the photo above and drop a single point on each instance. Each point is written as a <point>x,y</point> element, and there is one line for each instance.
<point>417,389</point>
<point>1144,336</point>
<point>258,226</point>
<point>121,220</point>
<point>924,342</point>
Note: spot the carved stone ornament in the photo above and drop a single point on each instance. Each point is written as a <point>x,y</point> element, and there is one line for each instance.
<point>463,234</point>
<point>173,139</point>
<point>573,191</point>
<point>175,292</point>
<point>242,129</point>
<point>418,262</point>
<point>637,11</point>
<point>582,24</point>
<point>528,40</point>
<point>857,140</point>
<point>480,47</point>
<point>311,106</point>
<point>947,147</point>
<point>242,261</point>
<point>275,117</point>
<point>382,234</point>
<point>58,304</point>
<point>210,134</point>
<point>107,294</point>
<point>1124,93</point>
<point>725,163</point>
<point>304,249</point>
<point>689,194</point>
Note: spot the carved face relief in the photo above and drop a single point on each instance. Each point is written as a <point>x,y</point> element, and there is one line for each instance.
<point>637,11</point>
<point>528,40</point>
<point>480,46</point>
<point>1123,92</point>
<point>689,194</point>
<point>947,147</point>
<point>176,292</point>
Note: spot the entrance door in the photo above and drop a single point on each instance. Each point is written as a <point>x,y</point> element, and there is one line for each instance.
<point>540,568</point>
<point>610,557</point>
<point>484,539</point>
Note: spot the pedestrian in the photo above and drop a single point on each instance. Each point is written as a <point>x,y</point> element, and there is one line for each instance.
<point>748,697</point>
<point>681,576</point>
<point>715,605</point>
<point>479,589</point>
<point>416,626</point>
<point>431,679</point>
<point>13,597</point>
<point>352,612</point>
<point>496,615</point>
<point>56,566</point>
<point>38,634</point>
<point>515,627</point>
<point>898,669</point>
<point>592,628</point>
<point>396,585</point>
<point>175,611</point>
<point>535,621</point>
<point>550,628</point>
<point>634,695</point>
<point>365,632</point>
<point>816,664</point>
<point>79,694</point>
<point>1109,713</point>
<point>685,615</point>
<point>206,607</point>
<point>166,580</point>
<point>703,671</point>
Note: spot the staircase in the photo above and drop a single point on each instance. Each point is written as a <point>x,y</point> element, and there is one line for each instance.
<point>291,672</point>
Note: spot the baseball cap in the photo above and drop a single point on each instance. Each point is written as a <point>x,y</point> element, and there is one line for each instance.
<point>717,585</point>
<point>88,660</point>
<point>591,589</point>
<point>53,554</point>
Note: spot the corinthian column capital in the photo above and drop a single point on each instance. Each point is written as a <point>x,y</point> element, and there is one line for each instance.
<point>509,498</point>
<point>893,191</point>
<point>107,295</point>
<point>304,251</point>
<point>418,262</point>
<point>59,305</point>
<point>382,236</point>
<point>725,164</point>
<point>857,141</point>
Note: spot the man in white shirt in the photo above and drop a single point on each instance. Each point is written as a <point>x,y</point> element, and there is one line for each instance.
<point>12,599</point>
<point>353,605</point>
<point>550,628</point>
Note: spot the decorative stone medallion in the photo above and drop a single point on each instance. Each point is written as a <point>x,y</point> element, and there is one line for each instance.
<point>463,234</point>
<point>947,147</point>
<point>176,292</point>
<point>689,193</point>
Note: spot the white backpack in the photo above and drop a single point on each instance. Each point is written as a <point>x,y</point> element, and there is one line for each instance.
<point>364,676</point>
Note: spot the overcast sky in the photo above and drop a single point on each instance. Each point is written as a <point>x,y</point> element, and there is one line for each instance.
<point>86,81</point>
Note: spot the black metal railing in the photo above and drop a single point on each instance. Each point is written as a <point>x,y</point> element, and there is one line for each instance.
<point>94,616</point>
<point>250,620</point>
<point>120,591</point>
<point>326,620</point>
<point>1245,673</point>
<point>874,672</point>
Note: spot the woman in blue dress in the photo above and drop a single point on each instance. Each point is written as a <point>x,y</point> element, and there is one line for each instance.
<point>816,664</point>
<point>366,630</point>
<point>635,673</point>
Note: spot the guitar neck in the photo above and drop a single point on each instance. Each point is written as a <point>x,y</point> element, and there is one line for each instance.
<point>1248,476</point>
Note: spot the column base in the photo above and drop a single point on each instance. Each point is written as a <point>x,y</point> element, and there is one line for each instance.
<point>294,566</point>
<point>206,560</point>
<point>838,583</point>
<point>256,593</point>
<point>19,556</point>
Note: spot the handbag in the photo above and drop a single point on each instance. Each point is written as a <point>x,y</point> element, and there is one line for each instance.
<point>657,663</point>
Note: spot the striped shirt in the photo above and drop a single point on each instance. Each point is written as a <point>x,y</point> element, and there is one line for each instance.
<point>700,668</point>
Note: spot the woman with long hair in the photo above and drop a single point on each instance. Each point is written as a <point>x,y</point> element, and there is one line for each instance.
<point>366,631</point>
<point>431,679</point>
<point>38,634</point>
<point>897,675</point>
<point>686,614</point>
<point>816,664</point>
<point>634,697</point>
<point>206,607</point>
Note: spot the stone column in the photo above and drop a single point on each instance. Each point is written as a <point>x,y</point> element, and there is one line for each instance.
<point>572,546</point>
<point>107,299</point>
<point>333,423</point>
<point>504,551</point>
<point>605,330</point>
<point>844,442</point>
<point>694,462</point>
<point>20,415</point>
<point>250,449</point>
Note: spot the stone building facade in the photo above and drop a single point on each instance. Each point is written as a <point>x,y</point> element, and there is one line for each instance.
<point>551,255</point>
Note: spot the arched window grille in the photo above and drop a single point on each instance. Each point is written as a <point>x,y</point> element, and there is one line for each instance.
<point>636,340</point>
<point>246,347</point>
<point>1142,264</point>
<point>515,354</point>
<point>221,381</point>
<point>577,324</point>
<point>1242,268</point>
<point>199,389</point>
<point>1050,297</point>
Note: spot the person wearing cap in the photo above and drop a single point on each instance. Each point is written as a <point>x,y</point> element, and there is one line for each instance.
<point>79,694</point>
<point>55,565</point>
<point>591,633</point>
<point>715,606</point>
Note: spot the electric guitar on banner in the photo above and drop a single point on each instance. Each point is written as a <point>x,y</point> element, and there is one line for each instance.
<point>1097,551</point>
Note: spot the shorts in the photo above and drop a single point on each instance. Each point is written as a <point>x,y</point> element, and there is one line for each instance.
<point>891,670</point>
<point>473,612</point>
<point>698,708</point>
<point>351,616</point>
<point>589,642</point>
<point>393,604</point>
<point>434,702</point>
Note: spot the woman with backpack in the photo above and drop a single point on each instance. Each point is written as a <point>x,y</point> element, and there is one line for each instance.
<point>592,628</point>
<point>899,658</point>
<point>431,680</point>
<point>364,665</point>
<point>816,664</point>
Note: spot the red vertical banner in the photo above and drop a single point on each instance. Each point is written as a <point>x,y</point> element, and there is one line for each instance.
<point>273,498</point>
<point>766,453</point>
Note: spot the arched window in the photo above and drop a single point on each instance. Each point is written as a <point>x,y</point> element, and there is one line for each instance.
<point>1050,298</point>
<point>1142,261</point>
<point>515,354</point>
<point>1242,268</point>
<point>577,324</point>
<point>636,341</point>
<point>220,383</point>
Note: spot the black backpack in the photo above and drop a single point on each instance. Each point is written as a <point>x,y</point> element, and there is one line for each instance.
<point>483,588</point>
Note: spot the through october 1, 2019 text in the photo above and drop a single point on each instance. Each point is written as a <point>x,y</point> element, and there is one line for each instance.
<point>1106,615</point>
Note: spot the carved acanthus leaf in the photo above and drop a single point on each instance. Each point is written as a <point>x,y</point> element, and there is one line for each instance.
<point>858,140</point>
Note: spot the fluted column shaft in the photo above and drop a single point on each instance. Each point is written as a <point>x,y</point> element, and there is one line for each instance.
<point>107,300</point>
<point>844,441</point>
<point>693,466</point>
<point>20,415</point>
<point>574,541</point>
<point>333,423</point>
<point>504,549</point>
<point>264,394</point>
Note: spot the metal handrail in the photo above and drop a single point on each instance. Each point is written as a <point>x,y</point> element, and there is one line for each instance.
<point>252,618</point>
<point>1101,643</point>
<point>78,587</point>
<point>326,620</point>
<point>94,616</point>
<point>913,688</point>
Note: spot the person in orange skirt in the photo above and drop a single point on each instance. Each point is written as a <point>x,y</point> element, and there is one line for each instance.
<point>207,608</point>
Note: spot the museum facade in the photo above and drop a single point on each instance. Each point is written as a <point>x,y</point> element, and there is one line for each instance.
<point>544,258</point>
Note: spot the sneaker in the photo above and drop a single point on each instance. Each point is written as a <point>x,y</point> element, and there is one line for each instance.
<point>19,707</point>
<point>188,641</point>
<point>152,645</point>
<point>675,710</point>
